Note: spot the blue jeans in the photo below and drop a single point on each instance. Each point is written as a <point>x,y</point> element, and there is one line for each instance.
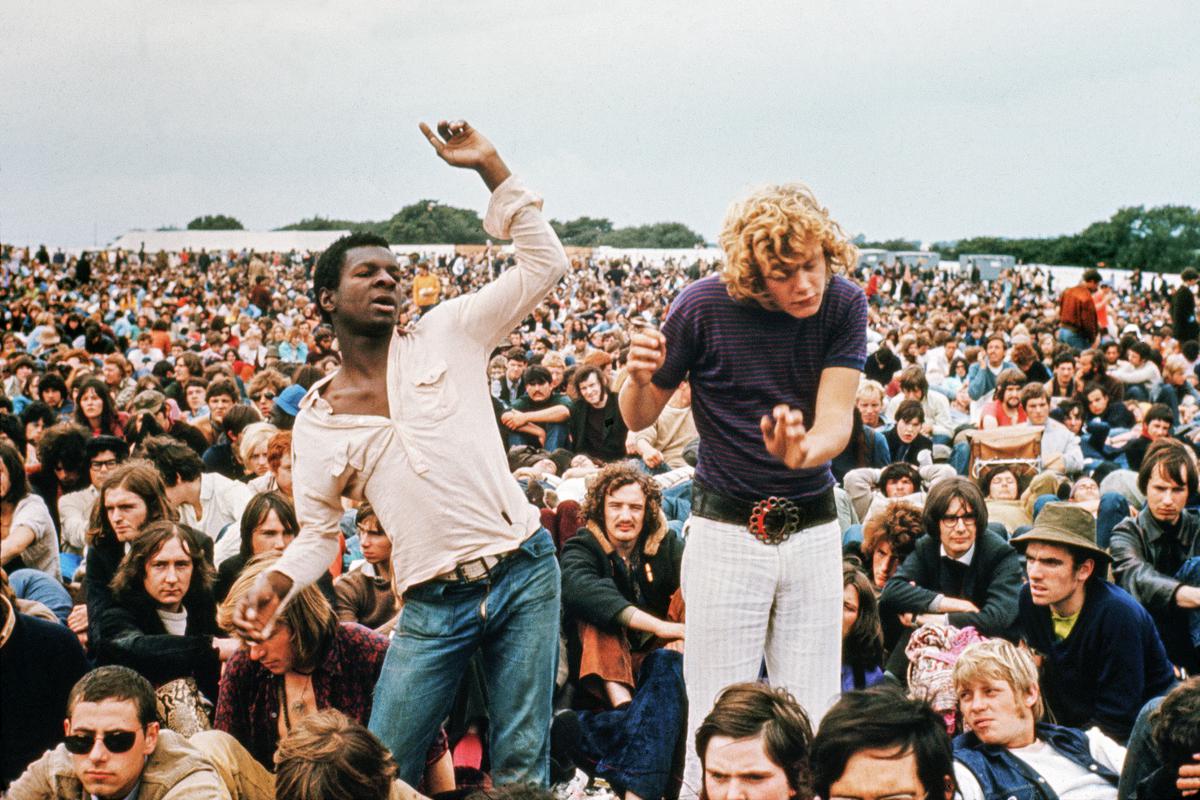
<point>512,619</point>
<point>1113,508</point>
<point>633,746</point>
<point>556,437</point>
<point>1189,573</point>
<point>677,501</point>
<point>1076,340</point>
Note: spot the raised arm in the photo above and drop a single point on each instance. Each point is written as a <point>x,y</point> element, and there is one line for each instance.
<point>513,213</point>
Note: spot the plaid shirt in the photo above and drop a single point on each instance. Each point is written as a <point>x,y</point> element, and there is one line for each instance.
<point>248,706</point>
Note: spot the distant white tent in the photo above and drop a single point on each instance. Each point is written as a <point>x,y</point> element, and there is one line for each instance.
<point>260,241</point>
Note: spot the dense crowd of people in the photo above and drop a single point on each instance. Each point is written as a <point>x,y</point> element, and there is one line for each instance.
<point>341,524</point>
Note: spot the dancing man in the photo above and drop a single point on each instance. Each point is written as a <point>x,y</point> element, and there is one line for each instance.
<point>773,348</point>
<point>406,423</point>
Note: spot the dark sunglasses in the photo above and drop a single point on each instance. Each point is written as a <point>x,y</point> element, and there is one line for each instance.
<point>114,742</point>
<point>263,396</point>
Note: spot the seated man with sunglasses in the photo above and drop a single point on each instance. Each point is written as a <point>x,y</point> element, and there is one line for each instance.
<point>114,749</point>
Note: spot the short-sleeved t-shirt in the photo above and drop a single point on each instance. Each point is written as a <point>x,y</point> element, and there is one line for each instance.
<point>742,360</point>
<point>42,553</point>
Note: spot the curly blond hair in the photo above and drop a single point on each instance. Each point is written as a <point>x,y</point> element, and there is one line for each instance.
<point>767,232</point>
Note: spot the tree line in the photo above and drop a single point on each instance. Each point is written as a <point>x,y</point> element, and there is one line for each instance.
<point>1158,239</point>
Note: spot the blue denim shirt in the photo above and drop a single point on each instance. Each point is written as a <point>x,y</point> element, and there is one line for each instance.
<point>1003,776</point>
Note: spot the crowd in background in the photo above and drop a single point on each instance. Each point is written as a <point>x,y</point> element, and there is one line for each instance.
<point>1022,468</point>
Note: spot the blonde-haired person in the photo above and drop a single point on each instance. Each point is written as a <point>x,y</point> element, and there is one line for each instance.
<point>773,348</point>
<point>252,450</point>
<point>1008,750</point>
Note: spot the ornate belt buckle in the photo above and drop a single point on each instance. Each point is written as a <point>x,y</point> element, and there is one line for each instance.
<point>773,520</point>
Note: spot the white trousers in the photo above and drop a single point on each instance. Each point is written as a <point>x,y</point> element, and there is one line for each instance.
<point>748,601</point>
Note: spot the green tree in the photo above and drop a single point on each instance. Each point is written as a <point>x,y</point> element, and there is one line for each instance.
<point>660,234</point>
<point>214,222</point>
<point>582,232</point>
<point>430,222</point>
<point>323,224</point>
<point>890,244</point>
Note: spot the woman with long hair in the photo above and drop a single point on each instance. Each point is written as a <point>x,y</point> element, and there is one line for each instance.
<point>862,634</point>
<point>96,411</point>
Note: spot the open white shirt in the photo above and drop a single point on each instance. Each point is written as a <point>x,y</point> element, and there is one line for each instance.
<point>435,471</point>
<point>1068,780</point>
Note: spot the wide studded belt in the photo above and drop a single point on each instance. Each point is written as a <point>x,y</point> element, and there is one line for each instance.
<point>770,520</point>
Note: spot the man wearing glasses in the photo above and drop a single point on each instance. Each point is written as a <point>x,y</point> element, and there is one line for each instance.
<point>104,453</point>
<point>114,749</point>
<point>960,574</point>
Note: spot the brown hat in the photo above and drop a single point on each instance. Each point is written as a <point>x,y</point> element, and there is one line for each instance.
<point>1065,524</point>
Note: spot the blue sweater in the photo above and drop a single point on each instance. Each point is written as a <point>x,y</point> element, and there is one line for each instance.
<point>1107,668</point>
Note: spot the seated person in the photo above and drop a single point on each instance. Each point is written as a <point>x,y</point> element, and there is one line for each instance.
<point>364,594</point>
<point>905,440</point>
<point>862,636</point>
<point>960,573</point>
<point>1149,552</point>
<point>114,749</point>
<point>867,449</point>
<point>868,401</point>
<point>872,490</point>
<point>1101,408</point>
<point>28,537</point>
<point>104,453</point>
<point>878,743</point>
<point>1060,448</point>
<point>1140,374</point>
<point>131,497</point>
<point>1008,750</point>
<point>1173,769</point>
<point>327,755</point>
<point>1012,494</point>
<point>309,662</point>
<point>1101,655</point>
<point>207,501</point>
<point>915,386</point>
<point>39,663</point>
<point>661,446</point>
<point>1005,408</point>
<point>888,538</point>
<point>268,524</point>
<point>620,573</point>
<point>540,416</point>
<point>1154,425</point>
<point>162,621</point>
<point>597,428</point>
<point>755,743</point>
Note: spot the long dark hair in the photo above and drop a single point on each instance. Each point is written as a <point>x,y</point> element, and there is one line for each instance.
<point>129,580</point>
<point>109,420</point>
<point>862,647</point>
<point>858,442</point>
<point>256,512</point>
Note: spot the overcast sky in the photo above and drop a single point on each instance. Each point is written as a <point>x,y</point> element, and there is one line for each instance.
<point>926,120</point>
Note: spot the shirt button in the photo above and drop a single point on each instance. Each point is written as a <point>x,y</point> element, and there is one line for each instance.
<point>1092,767</point>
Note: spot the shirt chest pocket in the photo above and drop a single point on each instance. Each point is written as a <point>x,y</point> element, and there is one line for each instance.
<point>432,394</point>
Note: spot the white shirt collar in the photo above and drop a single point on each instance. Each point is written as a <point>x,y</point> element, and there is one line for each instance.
<point>965,558</point>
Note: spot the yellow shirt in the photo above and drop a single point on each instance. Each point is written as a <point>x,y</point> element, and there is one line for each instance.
<point>1064,625</point>
<point>426,289</point>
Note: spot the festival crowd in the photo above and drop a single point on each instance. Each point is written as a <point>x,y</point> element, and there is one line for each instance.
<point>587,535</point>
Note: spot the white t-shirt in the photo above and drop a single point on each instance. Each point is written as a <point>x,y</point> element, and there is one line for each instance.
<point>1068,780</point>
<point>174,621</point>
<point>223,501</point>
<point>42,553</point>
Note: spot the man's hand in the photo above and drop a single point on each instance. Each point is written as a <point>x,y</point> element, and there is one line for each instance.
<point>1188,597</point>
<point>460,145</point>
<point>1189,777</point>
<point>256,611</point>
<point>669,631</point>
<point>652,456</point>
<point>952,605</point>
<point>647,352</point>
<point>513,420</point>
<point>785,436</point>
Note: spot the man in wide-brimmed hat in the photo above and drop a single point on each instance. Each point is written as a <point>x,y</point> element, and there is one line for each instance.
<point>1101,651</point>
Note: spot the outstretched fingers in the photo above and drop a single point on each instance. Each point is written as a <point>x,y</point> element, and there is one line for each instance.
<point>432,137</point>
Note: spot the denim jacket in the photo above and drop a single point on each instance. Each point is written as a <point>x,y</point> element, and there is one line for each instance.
<point>1003,776</point>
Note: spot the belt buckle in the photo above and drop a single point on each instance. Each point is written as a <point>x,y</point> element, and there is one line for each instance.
<point>474,570</point>
<point>773,520</point>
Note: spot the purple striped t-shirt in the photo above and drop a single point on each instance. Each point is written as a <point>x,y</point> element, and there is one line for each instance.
<point>742,361</point>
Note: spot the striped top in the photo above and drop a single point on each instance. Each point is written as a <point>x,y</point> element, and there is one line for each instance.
<point>743,360</point>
